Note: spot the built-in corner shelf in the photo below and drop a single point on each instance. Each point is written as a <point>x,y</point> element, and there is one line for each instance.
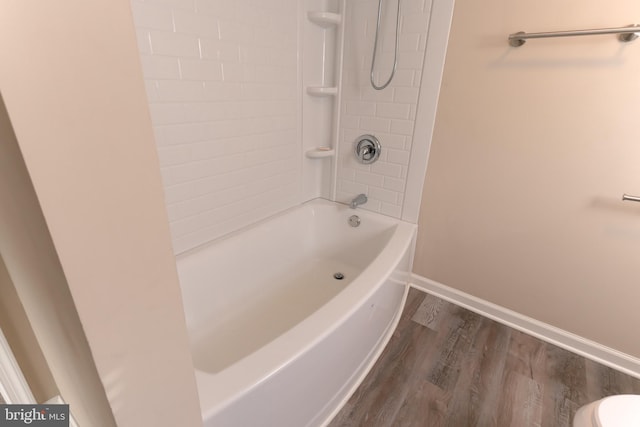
<point>320,152</point>
<point>322,90</point>
<point>325,19</point>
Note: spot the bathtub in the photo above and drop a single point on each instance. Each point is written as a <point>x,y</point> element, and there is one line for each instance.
<point>276,339</point>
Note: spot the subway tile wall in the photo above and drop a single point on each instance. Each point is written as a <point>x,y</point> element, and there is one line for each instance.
<point>389,114</point>
<point>222,84</point>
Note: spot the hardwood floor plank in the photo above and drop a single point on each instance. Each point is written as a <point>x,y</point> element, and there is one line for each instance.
<point>446,366</point>
<point>569,369</point>
<point>468,400</point>
<point>426,402</point>
<point>415,299</point>
<point>489,378</point>
<point>523,381</point>
<point>428,313</point>
<point>529,393</point>
<point>603,381</point>
<point>457,341</point>
<point>527,356</point>
<point>559,411</point>
<point>565,388</point>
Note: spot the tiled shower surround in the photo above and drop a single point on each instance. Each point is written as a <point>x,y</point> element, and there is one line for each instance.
<point>223,84</point>
<point>388,114</point>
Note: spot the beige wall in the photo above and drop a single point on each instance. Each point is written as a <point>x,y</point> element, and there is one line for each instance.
<point>72,85</point>
<point>532,150</point>
<point>32,266</point>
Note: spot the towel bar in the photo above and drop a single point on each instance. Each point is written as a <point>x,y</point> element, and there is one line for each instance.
<point>626,34</point>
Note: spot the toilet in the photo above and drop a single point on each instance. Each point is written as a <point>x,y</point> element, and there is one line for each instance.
<point>614,411</point>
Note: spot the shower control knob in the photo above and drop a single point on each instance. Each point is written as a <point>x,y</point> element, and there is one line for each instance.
<point>367,148</point>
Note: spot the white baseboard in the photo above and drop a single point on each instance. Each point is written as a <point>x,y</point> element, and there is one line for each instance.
<point>574,343</point>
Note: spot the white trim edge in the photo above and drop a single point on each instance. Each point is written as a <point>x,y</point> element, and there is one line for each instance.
<point>440,20</point>
<point>589,349</point>
<point>13,387</point>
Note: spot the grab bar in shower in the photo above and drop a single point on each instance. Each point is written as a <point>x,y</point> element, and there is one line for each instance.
<point>626,34</point>
<point>626,197</point>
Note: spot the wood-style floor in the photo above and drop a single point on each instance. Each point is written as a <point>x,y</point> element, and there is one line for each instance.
<point>447,366</point>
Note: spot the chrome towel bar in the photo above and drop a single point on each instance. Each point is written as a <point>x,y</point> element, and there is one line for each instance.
<point>626,34</point>
<point>626,197</point>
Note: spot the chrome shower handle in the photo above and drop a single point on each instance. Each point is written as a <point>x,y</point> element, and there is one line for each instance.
<point>366,152</point>
<point>626,197</point>
<point>367,148</point>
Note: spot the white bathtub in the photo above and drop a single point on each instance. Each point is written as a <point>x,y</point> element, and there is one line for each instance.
<point>276,340</point>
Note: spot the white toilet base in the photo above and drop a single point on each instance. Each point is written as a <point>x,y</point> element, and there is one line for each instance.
<point>584,416</point>
<point>613,411</point>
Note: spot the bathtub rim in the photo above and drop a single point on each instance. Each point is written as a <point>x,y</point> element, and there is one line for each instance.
<point>219,390</point>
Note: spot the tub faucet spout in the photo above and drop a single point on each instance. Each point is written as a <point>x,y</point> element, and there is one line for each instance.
<point>360,199</point>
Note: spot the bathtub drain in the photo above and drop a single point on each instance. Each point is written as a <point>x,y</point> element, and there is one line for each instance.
<point>338,276</point>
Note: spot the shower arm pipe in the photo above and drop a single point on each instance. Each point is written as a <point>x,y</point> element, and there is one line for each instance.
<point>627,34</point>
<point>375,48</point>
